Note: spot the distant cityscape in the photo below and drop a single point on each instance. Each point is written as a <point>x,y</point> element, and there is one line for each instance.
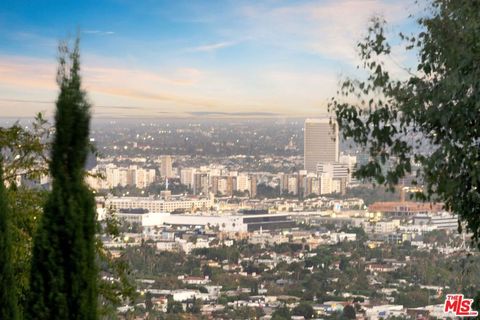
<point>277,206</point>
<point>324,171</point>
<point>264,160</point>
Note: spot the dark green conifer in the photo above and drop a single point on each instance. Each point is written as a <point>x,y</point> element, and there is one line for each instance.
<point>63,275</point>
<point>8,292</point>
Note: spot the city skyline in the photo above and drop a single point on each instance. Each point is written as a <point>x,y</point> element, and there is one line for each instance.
<point>216,59</point>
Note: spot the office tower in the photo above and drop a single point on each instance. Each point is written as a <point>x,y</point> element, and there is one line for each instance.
<point>132,176</point>
<point>326,183</point>
<point>123,176</point>
<point>200,183</point>
<point>143,177</point>
<point>320,143</point>
<point>187,176</point>
<point>243,184</point>
<point>292,185</point>
<point>222,185</point>
<point>231,185</point>
<point>253,186</point>
<point>311,185</point>
<point>283,182</point>
<point>166,167</point>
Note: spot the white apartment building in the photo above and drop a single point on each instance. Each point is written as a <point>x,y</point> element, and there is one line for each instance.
<point>386,226</point>
<point>222,185</point>
<point>121,176</point>
<point>187,176</point>
<point>292,185</point>
<point>166,170</point>
<point>325,183</point>
<point>243,182</point>
<point>156,205</point>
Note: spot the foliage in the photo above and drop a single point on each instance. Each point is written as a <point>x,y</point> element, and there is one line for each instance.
<point>413,298</point>
<point>174,306</point>
<point>431,118</point>
<point>266,191</point>
<point>26,208</point>
<point>25,151</point>
<point>230,254</point>
<point>244,313</point>
<point>287,247</point>
<point>349,312</point>
<point>174,186</point>
<point>282,313</point>
<point>63,281</point>
<point>148,301</point>
<point>370,194</point>
<point>195,306</point>
<point>145,261</point>
<point>303,309</point>
<point>8,290</point>
<point>29,145</point>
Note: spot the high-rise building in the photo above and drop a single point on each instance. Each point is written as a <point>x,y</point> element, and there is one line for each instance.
<point>320,143</point>
<point>339,173</point>
<point>222,185</point>
<point>214,184</point>
<point>124,179</point>
<point>143,177</point>
<point>311,185</point>
<point>351,163</point>
<point>293,185</point>
<point>200,183</point>
<point>253,186</point>
<point>166,167</point>
<point>231,185</point>
<point>326,183</point>
<point>187,176</point>
<point>242,183</point>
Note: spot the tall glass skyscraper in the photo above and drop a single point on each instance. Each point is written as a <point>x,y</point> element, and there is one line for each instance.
<point>320,143</point>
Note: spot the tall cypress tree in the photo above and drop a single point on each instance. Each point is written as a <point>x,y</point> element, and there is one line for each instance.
<point>8,292</point>
<point>63,275</point>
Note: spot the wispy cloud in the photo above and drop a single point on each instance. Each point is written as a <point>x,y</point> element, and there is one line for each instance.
<point>213,46</point>
<point>98,32</point>
<point>330,28</point>
<point>27,72</point>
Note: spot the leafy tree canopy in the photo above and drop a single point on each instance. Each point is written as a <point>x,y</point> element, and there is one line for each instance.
<point>431,119</point>
<point>303,309</point>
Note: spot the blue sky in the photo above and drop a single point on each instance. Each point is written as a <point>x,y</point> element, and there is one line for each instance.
<point>188,58</point>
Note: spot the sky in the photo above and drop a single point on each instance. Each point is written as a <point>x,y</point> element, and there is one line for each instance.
<point>161,59</point>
